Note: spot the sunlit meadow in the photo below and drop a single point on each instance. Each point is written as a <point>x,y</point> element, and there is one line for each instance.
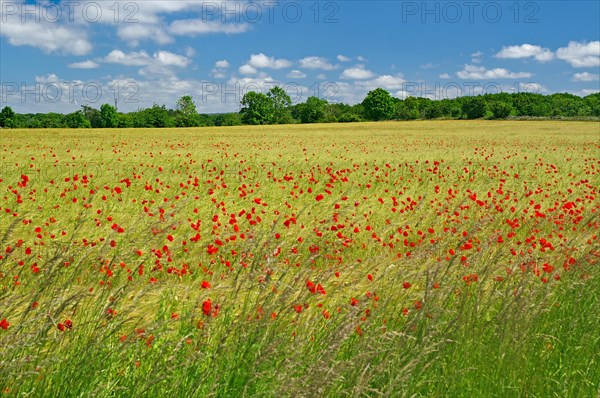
<point>343,260</point>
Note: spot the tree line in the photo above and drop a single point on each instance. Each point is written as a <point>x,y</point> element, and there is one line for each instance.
<point>275,107</point>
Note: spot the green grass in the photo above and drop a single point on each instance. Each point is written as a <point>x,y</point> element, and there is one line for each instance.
<point>403,313</point>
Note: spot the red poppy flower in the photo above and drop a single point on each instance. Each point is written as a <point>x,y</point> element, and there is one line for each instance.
<point>207,307</point>
<point>4,324</point>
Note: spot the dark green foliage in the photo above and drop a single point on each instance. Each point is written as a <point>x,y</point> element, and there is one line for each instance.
<point>275,107</point>
<point>312,111</point>
<point>281,105</point>
<point>186,114</point>
<point>7,116</point>
<point>378,105</point>
<point>500,109</point>
<point>475,107</point>
<point>257,108</point>
<point>77,120</point>
<point>108,116</point>
<point>227,119</point>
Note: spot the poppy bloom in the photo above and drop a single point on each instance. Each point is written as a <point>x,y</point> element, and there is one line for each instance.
<point>207,307</point>
<point>4,324</point>
<point>311,287</point>
<point>320,289</point>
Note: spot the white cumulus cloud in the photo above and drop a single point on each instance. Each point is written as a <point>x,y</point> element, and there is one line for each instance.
<point>526,51</point>
<point>481,73</point>
<point>296,74</point>
<point>89,64</point>
<point>195,27</point>
<point>316,63</point>
<point>586,77</point>
<point>247,70</point>
<point>580,55</point>
<point>260,61</point>
<point>356,73</point>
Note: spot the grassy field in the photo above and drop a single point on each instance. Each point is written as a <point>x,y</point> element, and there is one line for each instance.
<point>433,259</point>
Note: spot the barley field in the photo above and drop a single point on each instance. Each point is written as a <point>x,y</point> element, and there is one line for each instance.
<point>393,259</point>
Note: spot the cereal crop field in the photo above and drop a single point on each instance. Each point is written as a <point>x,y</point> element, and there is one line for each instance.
<point>392,259</point>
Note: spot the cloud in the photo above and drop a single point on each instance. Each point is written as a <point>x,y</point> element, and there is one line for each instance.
<point>195,27</point>
<point>357,73</point>
<point>386,82</point>
<point>159,64</point>
<point>170,59</point>
<point>190,52</point>
<point>444,76</point>
<point>260,61</point>
<point>428,65</point>
<point>222,64</point>
<point>526,51</point>
<point>151,24</point>
<point>44,35</point>
<point>296,74</point>
<point>89,64</point>
<point>343,58</point>
<point>586,77</point>
<point>589,91</point>
<point>140,58</point>
<point>218,73</point>
<point>476,57</point>
<point>316,63</point>
<point>135,33</point>
<point>580,55</point>
<point>479,72</point>
<point>247,70</point>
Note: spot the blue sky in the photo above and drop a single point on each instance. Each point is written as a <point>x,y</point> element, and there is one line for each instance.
<point>57,56</point>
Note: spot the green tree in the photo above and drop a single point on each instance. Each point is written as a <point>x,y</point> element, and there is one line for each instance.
<point>93,115</point>
<point>449,108</point>
<point>474,107</point>
<point>77,120</point>
<point>257,108</point>
<point>7,116</point>
<point>157,116</point>
<point>108,116</point>
<point>312,111</point>
<point>186,113</point>
<point>227,119</point>
<point>407,109</point>
<point>281,105</point>
<point>379,105</point>
<point>593,102</point>
<point>500,109</point>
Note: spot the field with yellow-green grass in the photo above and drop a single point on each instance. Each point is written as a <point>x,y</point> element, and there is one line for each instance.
<point>393,259</point>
